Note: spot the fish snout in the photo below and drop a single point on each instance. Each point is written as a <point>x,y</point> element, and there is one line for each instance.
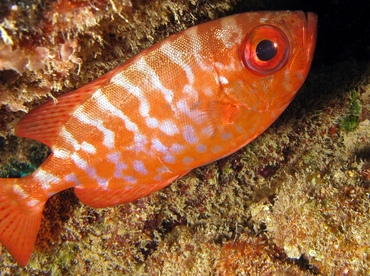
<point>310,33</point>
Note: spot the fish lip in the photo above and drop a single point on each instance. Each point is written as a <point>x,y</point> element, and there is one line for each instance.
<point>310,32</point>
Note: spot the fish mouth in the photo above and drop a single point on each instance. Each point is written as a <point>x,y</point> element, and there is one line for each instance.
<point>310,33</point>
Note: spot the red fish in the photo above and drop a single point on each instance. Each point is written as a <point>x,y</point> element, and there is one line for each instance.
<point>189,100</point>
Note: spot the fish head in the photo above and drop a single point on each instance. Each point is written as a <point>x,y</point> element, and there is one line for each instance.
<point>270,58</point>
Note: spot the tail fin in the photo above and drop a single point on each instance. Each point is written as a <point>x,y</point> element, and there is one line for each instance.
<point>20,217</point>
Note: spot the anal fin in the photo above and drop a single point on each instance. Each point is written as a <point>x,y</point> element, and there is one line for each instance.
<point>102,197</point>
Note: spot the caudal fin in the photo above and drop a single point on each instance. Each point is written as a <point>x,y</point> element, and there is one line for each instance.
<point>20,217</point>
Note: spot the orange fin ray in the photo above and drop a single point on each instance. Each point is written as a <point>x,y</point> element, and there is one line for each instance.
<point>45,122</point>
<point>101,197</point>
<point>219,112</point>
<point>19,223</point>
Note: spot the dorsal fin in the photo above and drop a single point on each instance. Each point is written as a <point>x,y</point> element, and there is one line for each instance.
<point>45,122</point>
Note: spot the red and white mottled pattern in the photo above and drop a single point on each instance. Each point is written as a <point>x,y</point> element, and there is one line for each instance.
<point>183,103</point>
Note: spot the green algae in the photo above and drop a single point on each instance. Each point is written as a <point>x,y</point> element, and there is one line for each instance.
<point>351,121</point>
<point>16,169</point>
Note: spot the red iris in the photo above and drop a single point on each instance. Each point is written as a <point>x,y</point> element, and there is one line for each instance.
<point>265,49</point>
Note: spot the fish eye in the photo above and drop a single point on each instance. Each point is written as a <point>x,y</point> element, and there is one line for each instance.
<point>265,49</point>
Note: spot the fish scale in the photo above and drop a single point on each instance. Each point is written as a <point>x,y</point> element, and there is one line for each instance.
<point>191,99</point>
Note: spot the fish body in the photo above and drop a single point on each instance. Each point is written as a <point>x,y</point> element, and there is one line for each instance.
<point>193,98</point>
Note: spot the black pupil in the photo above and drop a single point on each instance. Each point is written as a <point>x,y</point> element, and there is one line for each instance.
<point>266,50</point>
